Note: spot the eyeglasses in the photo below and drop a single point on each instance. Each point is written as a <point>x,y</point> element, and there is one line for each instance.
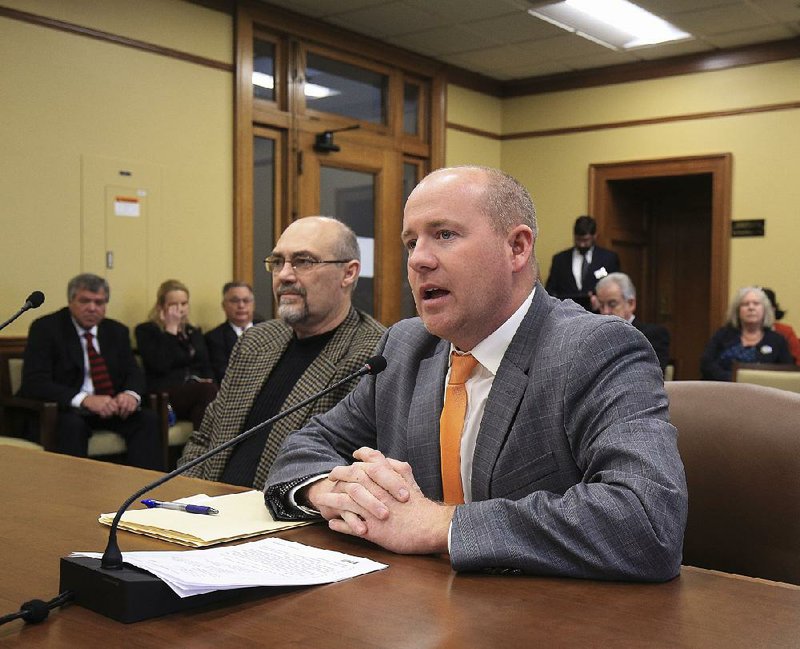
<point>299,264</point>
<point>239,300</point>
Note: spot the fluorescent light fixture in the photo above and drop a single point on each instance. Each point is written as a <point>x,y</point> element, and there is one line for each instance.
<point>616,24</point>
<point>311,90</point>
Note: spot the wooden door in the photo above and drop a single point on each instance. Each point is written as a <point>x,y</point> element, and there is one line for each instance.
<point>361,185</point>
<point>669,220</point>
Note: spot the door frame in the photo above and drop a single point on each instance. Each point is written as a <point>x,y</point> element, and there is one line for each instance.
<point>720,167</point>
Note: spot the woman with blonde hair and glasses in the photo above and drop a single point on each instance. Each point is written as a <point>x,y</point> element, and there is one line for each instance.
<point>747,337</point>
<point>175,355</point>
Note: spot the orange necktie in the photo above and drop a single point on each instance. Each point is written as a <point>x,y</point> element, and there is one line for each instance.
<point>451,424</point>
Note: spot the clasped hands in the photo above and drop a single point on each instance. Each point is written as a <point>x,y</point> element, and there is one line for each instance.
<point>105,406</point>
<point>377,498</point>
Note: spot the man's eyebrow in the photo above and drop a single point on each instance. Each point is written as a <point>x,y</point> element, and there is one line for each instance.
<point>432,225</point>
<point>297,253</point>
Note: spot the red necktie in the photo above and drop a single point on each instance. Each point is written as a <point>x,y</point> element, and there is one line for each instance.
<point>451,423</point>
<point>97,368</point>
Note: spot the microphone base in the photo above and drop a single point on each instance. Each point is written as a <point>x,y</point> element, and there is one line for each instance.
<point>131,594</point>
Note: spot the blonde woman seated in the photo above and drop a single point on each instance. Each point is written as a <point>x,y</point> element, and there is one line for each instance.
<point>175,355</point>
<point>746,338</point>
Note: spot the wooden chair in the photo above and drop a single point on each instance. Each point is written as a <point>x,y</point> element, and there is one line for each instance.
<point>102,443</point>
<point>771,375</point>
<point>740,445</point>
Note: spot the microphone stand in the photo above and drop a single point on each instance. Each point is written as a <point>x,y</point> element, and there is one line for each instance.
<point>22,310</point>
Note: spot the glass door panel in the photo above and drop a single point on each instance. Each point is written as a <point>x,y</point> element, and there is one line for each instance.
<point>350,197</point>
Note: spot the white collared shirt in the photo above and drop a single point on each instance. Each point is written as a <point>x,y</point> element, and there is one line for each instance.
<point>489,353</point>
<point>577,265</point>
<point>239,330</point>
<point>87,387</point>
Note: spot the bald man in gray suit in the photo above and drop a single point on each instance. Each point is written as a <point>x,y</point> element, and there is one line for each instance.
<point>568,463</point>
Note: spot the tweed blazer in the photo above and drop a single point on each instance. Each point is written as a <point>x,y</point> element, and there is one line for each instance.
<point>220,342</point>
<point>576,470</point>
<point>53,369</point>
<point>253,358</point>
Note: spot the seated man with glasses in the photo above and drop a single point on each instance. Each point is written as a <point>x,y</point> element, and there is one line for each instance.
<point>239,305</point>
<point>318,339</point>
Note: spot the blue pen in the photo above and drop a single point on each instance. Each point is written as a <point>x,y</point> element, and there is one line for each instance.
<point>191,509</point>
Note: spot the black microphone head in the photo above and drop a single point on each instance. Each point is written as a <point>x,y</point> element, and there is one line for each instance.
<point>376,364</point>
<point>35,300</point>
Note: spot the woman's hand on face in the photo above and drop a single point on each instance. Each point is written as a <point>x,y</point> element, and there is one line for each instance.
<point>171,317</point>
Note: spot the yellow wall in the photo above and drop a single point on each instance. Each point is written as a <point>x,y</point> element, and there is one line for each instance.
<point>473,110</point>
<point>765,149</point>
<point>65,96</point>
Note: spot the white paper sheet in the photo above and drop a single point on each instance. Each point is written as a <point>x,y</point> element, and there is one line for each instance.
<point>269,562</point>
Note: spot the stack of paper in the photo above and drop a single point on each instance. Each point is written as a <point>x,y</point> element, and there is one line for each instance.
<point>268,562</point>
<point>241,515</point>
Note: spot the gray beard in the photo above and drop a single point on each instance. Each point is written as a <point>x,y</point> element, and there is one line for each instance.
<point>292,315</point>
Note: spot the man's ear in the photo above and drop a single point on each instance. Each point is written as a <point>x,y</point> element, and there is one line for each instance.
<point>520,242</point>
<point>351,271</point>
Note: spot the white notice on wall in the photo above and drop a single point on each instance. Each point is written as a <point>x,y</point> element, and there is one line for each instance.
<point>127,206</point>
<point>367,246</point>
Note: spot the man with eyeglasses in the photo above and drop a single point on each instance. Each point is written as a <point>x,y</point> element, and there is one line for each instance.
<point>238,303</point>
<point>83,361</point>
<point>318,339</point>
<point>517,432</point>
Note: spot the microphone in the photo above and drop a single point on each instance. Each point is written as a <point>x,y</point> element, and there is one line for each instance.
<point>34,301</point>
<point>103,589</point>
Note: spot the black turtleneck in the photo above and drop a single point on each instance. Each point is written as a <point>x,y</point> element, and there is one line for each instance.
<point>299,354</point>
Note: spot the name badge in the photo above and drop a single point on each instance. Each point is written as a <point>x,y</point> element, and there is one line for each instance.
<point>600,273</point>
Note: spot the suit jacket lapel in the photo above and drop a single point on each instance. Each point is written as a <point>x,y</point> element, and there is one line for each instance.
<point>423,421</point>
<point>506,394</point>
<point>229,338</point>
<point>71,341</point>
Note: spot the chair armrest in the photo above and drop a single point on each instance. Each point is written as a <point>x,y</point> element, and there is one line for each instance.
<point>47,412</point>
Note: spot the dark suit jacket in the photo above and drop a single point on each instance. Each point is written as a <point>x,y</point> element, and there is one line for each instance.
<point>220,341</point>
<point>167,362</point>
<point>252,361</point>
<point>659,338</point>
<point>576,469</point>
<point>53,363</point>
<point>561,281</point>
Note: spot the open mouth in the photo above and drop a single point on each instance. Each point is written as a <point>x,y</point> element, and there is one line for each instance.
<point>433,293</point>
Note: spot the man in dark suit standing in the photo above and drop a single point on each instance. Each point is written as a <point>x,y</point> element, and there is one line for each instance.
<point>575,272</point>
<point>238,303</point>
<point>83,361</point>
<point>616,295</point>
<point>515,431</point>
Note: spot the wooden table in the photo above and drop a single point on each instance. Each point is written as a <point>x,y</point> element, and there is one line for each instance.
<point>50,505</point>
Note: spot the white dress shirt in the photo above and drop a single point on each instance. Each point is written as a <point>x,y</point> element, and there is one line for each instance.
<point>489,354</point>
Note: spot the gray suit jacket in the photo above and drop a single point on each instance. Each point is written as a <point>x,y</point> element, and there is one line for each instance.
<point>253,358</point>
<point>576,470</point>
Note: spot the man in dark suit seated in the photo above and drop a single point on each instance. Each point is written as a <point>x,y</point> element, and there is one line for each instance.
<point>515,431</point>
<point>83,361</point>
<point>616,295</point>
<point>238,303</point>
<point>574,272</point>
